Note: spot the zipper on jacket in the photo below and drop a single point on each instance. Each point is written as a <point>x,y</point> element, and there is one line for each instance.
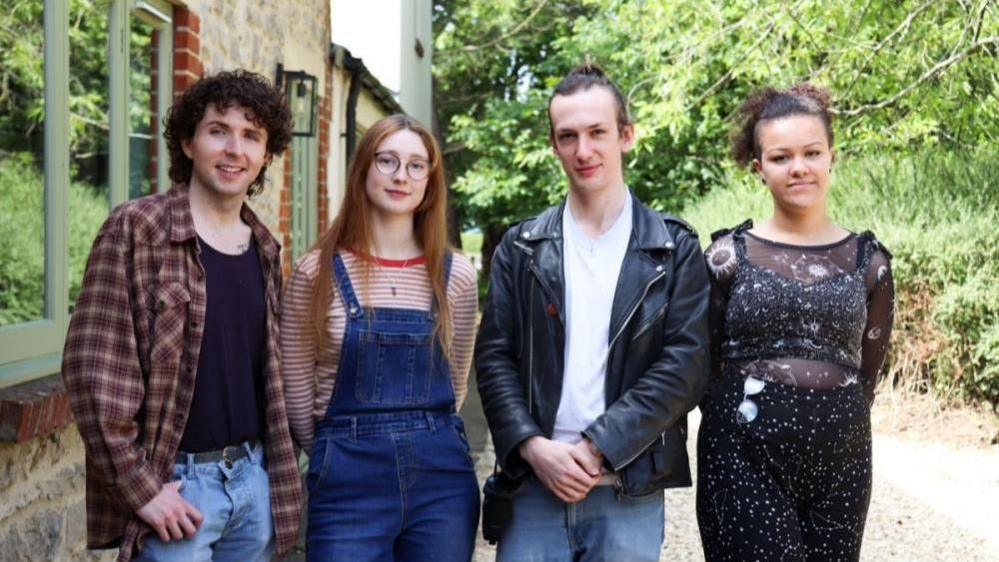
<point>530,352</point>
<point>648,286</point>
<point>635,309</point>
<point>647,325</point>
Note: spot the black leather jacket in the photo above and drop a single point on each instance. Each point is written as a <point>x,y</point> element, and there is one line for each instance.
<point>658,362</point>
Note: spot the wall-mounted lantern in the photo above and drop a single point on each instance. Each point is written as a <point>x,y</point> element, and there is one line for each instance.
<point>300,89</point>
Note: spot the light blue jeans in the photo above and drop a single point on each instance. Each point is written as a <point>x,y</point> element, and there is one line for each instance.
<point>235,503</point>
<point>602,527</point>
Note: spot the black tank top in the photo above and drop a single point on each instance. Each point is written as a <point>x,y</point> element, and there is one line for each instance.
<point>227,407</point>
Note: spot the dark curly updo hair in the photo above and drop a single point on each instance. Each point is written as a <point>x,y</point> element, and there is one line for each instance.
<point>774,103</point>
<point>584,77</point>
<point>266,106</point>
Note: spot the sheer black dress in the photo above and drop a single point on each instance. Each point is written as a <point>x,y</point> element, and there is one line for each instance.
<point>799,334</point>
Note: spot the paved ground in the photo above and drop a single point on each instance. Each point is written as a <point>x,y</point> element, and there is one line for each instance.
<point>931,502</point>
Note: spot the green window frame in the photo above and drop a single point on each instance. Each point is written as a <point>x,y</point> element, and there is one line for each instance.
<point>33,349</point>
<point>304,194</point>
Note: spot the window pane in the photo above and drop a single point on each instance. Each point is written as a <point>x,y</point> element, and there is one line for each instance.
<point>89,197</point>
<point>22,163</point>
<point>141,110</point>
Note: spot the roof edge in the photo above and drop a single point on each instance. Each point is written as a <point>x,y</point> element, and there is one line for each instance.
<point>341,57</point>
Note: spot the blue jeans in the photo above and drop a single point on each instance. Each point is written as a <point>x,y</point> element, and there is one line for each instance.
<point>235,503</point>
<point>393,486</point>
<point>602,527</point>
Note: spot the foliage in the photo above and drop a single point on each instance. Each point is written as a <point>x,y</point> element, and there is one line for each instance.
<point>471,242</point>
<point>22,254</point>
<point>936,212</point>
<point>905,75</point>
<point>22,117</point>
<point>491,60</point>
<point>22,80</point>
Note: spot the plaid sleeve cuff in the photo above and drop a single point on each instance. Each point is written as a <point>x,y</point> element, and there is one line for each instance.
<point>137,488</point>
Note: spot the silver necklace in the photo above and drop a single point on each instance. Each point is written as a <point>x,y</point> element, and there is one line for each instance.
<point>391,278</point>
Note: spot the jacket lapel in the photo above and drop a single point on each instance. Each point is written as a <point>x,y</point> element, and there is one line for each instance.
<point>544,239</point>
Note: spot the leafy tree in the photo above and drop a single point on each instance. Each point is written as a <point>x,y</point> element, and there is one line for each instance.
<point>492,63</point>
<point>905,74</point>
<point>22,80</point>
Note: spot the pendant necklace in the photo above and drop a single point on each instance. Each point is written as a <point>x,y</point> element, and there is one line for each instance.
<point>390,276</point>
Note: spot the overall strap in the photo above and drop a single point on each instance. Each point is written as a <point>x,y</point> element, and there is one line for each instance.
<point>448,260</point>
<point>346,288</point>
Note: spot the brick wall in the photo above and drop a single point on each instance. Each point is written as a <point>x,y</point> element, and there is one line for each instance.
<point>187,65</point>
<point>325,117</point>
<point>284,217</point>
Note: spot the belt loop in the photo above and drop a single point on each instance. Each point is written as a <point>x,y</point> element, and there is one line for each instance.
<point>353,428</point>
<point>249,452</point>
<point>190,464</point>
<point>430,421</point>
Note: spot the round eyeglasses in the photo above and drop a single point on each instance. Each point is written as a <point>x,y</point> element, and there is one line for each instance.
<point>388,164</point>
<point>748,410</point>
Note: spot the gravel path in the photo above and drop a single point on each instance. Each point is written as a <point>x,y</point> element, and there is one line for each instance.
<point>930,503</point>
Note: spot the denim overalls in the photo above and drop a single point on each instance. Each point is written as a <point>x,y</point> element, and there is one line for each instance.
<point>390,476</point>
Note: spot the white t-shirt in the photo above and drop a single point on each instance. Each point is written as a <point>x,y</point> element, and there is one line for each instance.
<point>591,267</point>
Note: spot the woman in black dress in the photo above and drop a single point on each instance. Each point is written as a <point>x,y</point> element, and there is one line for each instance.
<point>801,314</point>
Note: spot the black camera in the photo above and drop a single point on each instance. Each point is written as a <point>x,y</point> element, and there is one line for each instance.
<point>497,505</point>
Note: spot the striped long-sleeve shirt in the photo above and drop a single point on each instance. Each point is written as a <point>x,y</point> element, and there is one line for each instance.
<point>310,374</point>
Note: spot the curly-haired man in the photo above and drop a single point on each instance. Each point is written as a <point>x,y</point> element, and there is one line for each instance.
<point>171,361</point>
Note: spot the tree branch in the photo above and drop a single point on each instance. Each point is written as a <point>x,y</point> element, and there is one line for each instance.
<point>902,28</point>
<point>453,148</point>
<point>88,121</point>
<point>517,29</point>
<point>731,70</point>
<point>932,72</point>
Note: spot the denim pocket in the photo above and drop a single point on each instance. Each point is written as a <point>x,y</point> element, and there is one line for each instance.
<point>459,431</point>
<point>394,368</point>
<point>319,462</point>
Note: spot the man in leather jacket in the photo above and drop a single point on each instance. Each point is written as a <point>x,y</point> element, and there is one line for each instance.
<point>593,347</point>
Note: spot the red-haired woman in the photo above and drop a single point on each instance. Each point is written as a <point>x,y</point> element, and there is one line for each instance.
<point>376,333</point>
<point>801,312</point>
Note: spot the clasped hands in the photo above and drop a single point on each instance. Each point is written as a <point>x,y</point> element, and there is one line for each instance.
<point>569,471</point>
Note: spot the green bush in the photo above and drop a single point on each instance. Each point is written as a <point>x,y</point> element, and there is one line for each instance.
<point>88,207</point>
<point>985,355</point>
<point>22,230</point>
<point>936,213</point>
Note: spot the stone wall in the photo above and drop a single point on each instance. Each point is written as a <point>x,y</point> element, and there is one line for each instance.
<point>257,36</point>
<point>42,512</point>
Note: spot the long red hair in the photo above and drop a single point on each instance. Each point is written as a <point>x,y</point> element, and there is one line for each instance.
<point>351,227</point>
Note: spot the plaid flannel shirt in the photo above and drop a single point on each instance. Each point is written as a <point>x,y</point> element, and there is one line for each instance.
<point>130,361</point>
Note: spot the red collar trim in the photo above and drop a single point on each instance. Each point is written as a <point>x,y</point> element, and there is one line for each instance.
<point>385,262</point>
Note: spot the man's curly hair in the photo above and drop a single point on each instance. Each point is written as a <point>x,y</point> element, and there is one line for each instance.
<point>266,106</point>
